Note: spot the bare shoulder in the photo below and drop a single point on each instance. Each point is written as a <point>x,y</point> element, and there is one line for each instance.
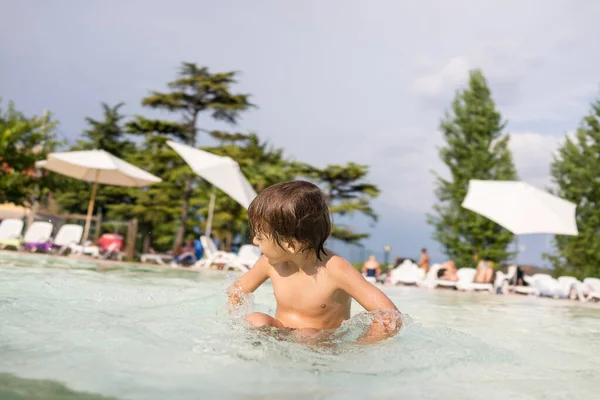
<point>255,276</point>
<point>262,265</point>
<point>338,266</point>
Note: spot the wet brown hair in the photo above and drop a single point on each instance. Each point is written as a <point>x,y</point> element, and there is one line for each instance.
<point>292,210</point>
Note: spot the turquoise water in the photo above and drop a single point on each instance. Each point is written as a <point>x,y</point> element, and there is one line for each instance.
<point>81,331</point>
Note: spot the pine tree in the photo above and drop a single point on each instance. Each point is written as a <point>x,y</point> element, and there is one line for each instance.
<point>576,174</point>
<point>476,148</point>
<point>195,91</point>
<point>107,134</point>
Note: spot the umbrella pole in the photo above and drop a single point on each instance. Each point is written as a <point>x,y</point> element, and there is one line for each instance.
<point>88,219</point>
<point>515,282</point>
<point>211,211</point>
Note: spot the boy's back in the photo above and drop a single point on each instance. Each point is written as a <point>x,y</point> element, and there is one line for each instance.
<point>313,287</point>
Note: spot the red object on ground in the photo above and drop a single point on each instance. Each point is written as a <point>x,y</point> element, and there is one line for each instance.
<point>108,239</point>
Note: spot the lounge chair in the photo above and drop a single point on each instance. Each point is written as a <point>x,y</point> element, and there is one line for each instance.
<point>546,285</point>
<point>466,283</point>
<point>158,258</point>
<point>10,233</point>
<point>561,288</point>
<point>431,280</point>
<point>109,246</point>
<point>594,288</point>
<point>247,256</point>
<point>67,235</point>
<point>243,261</point>
<point>191,257</point>
<point>39,233</point>
<point>212,255</point>
<point>407,273</point>
<point>570,288</point>
<point>508,283</point>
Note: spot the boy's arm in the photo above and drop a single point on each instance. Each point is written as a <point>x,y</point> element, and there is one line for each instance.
<point>388,321</point>
<point>248,282</point>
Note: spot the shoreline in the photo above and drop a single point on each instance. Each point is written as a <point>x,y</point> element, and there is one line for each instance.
<point>105,263</point>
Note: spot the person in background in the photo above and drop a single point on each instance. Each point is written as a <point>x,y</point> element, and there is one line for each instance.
<point>189,246</point>
<point>484,271</point>
<point>184,254</point>
<point>371,268</point>
<point>447,271</point>
<point>198,249</point>
<point>424,262</point>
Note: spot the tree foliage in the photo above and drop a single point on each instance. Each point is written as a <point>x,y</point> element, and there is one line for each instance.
<point>195,91</point>
<point>476,148</point>
<point>575,171</point>
<point>176,208</point>
<point>23,141</point>
<point>157,206</point>
<point>107,134</point>
<point>349,193</point>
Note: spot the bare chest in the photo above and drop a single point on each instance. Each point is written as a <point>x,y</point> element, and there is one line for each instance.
<point>311,296</point>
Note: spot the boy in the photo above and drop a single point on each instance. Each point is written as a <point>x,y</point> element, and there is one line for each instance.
<point>313,287</point>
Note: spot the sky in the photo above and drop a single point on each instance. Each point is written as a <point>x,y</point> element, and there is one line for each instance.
<point>334,81</point>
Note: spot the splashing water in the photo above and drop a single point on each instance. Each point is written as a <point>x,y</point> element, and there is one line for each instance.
<point>148,333</point>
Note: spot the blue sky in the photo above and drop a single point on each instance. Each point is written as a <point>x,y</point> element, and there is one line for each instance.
<point>335,81</point>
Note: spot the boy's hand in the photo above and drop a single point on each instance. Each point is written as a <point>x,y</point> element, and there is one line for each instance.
<point>387,321</point>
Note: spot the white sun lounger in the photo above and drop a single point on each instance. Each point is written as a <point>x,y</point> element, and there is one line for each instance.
<point>508,286</point>
<point>431,280</point>
<point>571,287</point>
<point>546,285</point>
<point>407,273</point>
<point>594,285</point>
<point>243,261</point>
<point>247,256</point>
<point>38,232</point>
<point>10,233</point>
<point>561,288</point>
<point>159,258</point>
<point>465,281</point>
<point>67,235</point>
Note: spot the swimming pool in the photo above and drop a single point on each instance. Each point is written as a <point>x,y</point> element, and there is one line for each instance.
<point>68,326</point>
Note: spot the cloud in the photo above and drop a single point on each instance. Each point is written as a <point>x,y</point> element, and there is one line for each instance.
<point>533,154</point>
<point>506,65</point>
<point>452,75</point>
<point>405,171</point>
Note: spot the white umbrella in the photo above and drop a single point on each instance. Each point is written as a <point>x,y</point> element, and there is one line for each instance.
<point>97,166</point>
<point>221,172</point>
<point>521,208</point>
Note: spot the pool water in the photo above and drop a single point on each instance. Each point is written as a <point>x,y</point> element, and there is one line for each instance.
<point>71,329</point>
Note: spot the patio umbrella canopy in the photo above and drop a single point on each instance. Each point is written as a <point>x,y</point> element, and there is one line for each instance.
<point>221,172</point>
<point>521,208</point>
<point>97,166</point>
